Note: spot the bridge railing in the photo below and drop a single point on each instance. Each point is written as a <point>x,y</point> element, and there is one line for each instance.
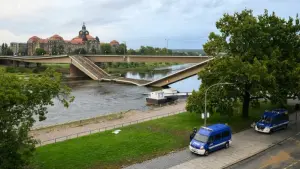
<point>102,129</point>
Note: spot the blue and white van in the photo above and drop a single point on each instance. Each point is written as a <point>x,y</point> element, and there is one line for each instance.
<point>211,138</point>
<point>272,121</point>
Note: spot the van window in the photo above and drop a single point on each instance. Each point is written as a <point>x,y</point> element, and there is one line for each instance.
<point>201,138</point>
<point>265,119</point>
<point>225,134</point>
<point>218,137</point>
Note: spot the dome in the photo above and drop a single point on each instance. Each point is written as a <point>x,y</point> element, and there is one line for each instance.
<point>114,42</point>
<point>33,39</point>
<point>56,37</point>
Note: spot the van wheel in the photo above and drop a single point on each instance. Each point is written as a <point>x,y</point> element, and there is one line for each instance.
<point>227,145</point>
<point>206,153</point>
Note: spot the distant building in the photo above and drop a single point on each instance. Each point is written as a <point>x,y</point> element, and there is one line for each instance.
<point>56,45</point>
<point>18,48</point>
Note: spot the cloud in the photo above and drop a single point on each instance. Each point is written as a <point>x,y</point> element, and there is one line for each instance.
<point>186,23</point>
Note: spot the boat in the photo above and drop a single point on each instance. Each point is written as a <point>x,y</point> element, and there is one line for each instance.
<point>162,96</point>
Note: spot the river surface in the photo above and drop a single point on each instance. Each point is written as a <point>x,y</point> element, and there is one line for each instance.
<point>94,98</point>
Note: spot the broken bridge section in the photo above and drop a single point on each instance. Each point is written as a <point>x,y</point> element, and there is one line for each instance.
<point>88,67</point>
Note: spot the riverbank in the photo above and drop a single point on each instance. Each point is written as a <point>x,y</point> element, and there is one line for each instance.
<point>57,131</point>
<point>134,143</point>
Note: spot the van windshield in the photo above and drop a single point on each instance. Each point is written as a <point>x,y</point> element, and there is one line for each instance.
<point>201,138</point>
<point>265,119</point>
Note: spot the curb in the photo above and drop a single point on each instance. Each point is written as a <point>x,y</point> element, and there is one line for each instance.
<point>256,153</point>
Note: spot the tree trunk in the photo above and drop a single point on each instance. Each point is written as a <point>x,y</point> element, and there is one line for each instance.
<point>246,103</point>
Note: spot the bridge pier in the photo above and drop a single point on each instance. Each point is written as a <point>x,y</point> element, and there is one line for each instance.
<point>75,72</point>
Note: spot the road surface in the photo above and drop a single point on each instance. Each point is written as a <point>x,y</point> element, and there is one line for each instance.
<point>283,156</point>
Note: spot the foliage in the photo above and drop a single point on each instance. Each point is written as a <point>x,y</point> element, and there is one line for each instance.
<point>106,48</point>
<point>40,51</point>
<point>22,100</point>
<point>5,50</point>
<point>80,51</point>
<point>161,136</point>
<point>121,49</point>
<point>258,55</point>
<point>61,49</point>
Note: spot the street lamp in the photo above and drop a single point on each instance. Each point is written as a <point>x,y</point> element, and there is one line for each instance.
<point>205,112</point>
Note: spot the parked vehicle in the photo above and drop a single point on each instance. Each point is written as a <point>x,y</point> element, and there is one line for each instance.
<point>272,121</point>
<point>211,138</point>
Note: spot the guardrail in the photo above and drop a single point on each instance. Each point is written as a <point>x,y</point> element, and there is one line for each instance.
<point>102,129</point>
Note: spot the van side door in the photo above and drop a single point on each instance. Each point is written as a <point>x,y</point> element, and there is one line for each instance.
<point>217,143</point>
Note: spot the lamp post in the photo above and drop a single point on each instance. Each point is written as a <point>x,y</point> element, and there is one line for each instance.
<point>167,40</point>
<point>205,112</point>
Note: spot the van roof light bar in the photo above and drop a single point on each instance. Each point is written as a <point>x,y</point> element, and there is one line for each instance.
<point>206,128</point>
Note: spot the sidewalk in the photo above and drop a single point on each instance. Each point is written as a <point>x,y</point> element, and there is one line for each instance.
<point>48,135</point>
<point>245,144</point>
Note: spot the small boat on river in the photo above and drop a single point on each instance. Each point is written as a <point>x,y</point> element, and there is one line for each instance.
<point>165,96</point>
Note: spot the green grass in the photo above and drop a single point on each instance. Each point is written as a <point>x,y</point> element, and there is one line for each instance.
<point>57,65</point>
<point>133,144</point>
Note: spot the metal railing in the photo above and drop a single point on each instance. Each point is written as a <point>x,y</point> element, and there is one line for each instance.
<point>102,129</point>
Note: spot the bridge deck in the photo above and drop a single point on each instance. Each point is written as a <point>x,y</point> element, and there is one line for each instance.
<point>137,82</point>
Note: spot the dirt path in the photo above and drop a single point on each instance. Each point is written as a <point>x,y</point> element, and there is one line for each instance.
<point>101,122</point>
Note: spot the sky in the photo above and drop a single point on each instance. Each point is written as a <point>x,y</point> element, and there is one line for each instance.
<point>182,24</point>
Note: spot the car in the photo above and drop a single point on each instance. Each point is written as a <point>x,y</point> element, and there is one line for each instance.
<point>272,121</point>
<point>211,138</point>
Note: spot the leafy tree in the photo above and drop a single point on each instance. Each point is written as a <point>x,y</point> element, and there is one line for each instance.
<point>259,56</point>
<point>93,50</point>
<point>131,52</point>
<point>40,51</point>
<point>54,50</point>
<point>61,49</point>
<point>5,50</point>
<point>22,99</point>
<point>121,49</point>
<point>80,51</point>
<point>106,48</point>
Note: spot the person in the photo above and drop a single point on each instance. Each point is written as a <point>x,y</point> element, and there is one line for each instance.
<point>193,134</point>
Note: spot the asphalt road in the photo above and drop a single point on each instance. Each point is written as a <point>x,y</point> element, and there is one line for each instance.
<point>283,156</point>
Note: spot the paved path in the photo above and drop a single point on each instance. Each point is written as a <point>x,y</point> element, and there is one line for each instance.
<point>282,156</point>
<point>48,135</point>
<point>245,144</point>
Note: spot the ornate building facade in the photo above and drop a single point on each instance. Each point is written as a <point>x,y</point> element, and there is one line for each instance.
<point>56,45</point>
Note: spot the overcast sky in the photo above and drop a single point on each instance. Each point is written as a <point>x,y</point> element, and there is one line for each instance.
<point>186,23</point>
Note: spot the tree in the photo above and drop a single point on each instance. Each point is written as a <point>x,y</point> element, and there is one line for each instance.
<point>22,99</point>
<point>61,49</point>
<point>80,51</point>
<point>131,52</point>
<point>40,51</point>
<point>121,49</point>
<point>106,48</point>
<point>5,50</point>
<point>54,50</point>
<point>258,55</point>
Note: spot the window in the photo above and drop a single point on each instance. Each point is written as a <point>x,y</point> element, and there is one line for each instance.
<point>201,138</point>
<point>218,137</point>
<point>225,134</point>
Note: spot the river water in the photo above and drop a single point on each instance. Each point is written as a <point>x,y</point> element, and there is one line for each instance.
<point>94,98</point>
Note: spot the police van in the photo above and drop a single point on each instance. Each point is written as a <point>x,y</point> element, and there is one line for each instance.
<point>211,138</point>
<point>272,121</point>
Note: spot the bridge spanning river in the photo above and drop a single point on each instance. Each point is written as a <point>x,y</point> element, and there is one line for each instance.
<point>85,65</point>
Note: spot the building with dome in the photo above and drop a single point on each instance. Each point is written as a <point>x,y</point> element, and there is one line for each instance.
<point>56,45</point>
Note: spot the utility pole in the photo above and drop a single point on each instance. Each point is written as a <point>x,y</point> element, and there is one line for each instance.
<point>167,40</point>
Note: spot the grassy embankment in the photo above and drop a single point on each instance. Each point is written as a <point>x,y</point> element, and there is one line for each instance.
<point>23,71</point>
<point>134,143</point>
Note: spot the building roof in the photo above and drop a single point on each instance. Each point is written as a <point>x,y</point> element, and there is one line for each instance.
<point>76,41</point>
<point>43,40</point>
<point>114,42</point>
<point>33,39</point>
<point>56,37</point>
